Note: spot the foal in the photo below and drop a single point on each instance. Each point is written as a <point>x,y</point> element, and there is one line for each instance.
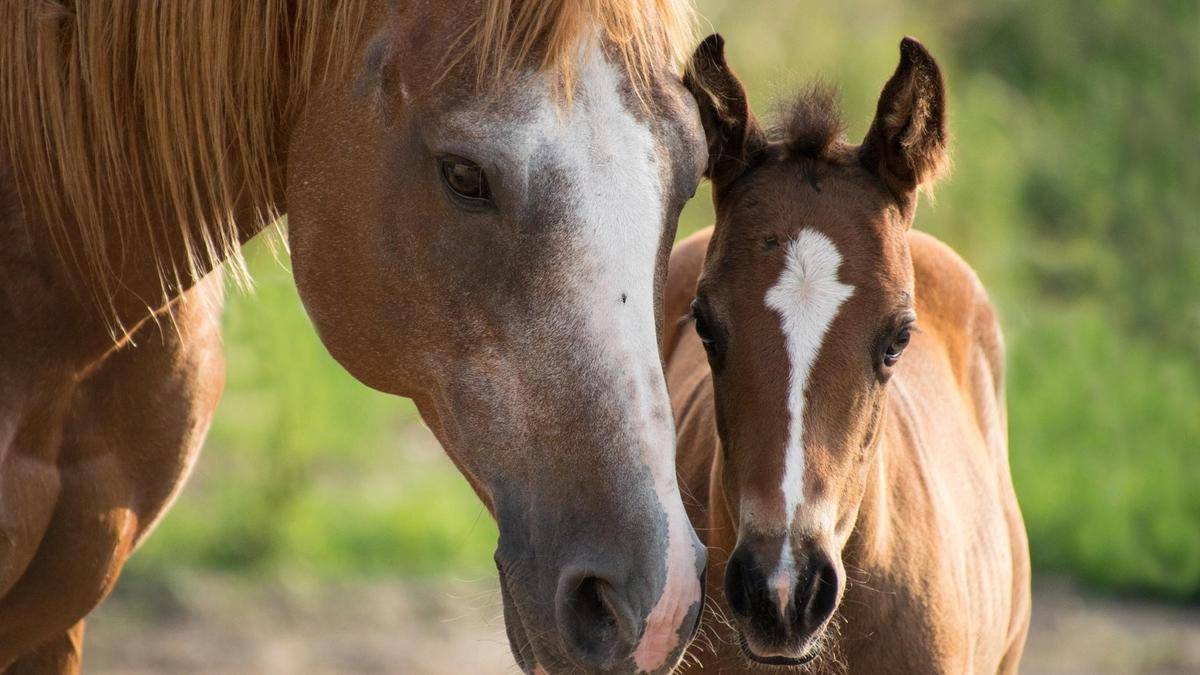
<point>841,425</point>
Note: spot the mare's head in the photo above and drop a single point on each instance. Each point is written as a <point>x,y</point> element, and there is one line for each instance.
<point>479,220</point>
<point>805,306</point>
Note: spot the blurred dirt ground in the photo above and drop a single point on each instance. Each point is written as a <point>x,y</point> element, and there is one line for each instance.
<point>224,626</point>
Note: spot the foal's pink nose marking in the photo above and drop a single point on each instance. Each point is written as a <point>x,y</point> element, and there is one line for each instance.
<point>783,590</point>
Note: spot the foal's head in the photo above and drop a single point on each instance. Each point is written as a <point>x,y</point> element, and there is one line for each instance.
<point>805,306</point>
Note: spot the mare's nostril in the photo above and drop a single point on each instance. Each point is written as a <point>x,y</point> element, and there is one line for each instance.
<point>593,608</point>
<point>595,622</point>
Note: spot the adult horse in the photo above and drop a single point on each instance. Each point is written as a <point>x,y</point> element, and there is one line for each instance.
<point>481,200</point>
<point>840,402</point>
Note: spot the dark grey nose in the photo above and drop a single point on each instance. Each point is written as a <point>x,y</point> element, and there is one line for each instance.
<point>598,626</point>
<point>813,598</point>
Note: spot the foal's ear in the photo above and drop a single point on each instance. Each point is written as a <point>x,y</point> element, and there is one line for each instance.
<point>906,145</point>
<point>734,136</point>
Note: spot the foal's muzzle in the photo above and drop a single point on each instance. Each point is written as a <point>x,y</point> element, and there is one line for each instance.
<point>781,611</point>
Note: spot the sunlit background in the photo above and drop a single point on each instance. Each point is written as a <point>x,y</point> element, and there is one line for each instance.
<point>324,531</point>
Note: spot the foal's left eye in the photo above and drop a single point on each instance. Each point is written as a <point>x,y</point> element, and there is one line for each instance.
<point>892,354</point>
<point>466,180</point>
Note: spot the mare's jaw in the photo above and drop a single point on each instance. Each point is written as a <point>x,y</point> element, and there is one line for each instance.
<point>514,627</point>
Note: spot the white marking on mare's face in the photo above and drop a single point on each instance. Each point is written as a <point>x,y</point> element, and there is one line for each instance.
<point>611,160</point>
<point>807,298</point>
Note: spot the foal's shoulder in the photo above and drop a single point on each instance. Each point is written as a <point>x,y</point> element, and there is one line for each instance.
<point>952,302</point>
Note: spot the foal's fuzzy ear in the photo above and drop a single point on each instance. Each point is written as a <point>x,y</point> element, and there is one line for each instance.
<point>906,145</point>
<point>734,136</point>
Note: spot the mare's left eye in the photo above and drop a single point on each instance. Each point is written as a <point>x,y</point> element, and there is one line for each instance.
<point>466,180</point>
<point>896,347</point>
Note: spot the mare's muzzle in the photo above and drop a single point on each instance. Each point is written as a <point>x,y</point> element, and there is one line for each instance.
<point>586,597</point>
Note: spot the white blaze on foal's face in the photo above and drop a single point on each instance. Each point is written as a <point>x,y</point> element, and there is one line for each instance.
<point>807,297</point>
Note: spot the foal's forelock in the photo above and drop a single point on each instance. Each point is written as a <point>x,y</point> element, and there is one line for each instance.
<point>807,297</point>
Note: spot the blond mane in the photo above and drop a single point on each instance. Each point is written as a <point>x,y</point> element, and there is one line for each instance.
<point>645,33</point>
<point>126,120</point>
<point>130,120</point>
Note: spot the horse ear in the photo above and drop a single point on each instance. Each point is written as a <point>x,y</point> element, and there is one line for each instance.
<point>906,144</point>
<point>734,136</point>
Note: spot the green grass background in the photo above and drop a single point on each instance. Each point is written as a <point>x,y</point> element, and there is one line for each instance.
<point>1075,194</point>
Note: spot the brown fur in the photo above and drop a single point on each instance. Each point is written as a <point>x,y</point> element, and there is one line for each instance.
<point>810,125</point>
<point>907,485</point>
<point>118,441</point>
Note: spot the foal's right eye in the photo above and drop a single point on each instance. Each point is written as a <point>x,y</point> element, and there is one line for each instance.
<point>891,345</point>
<point>702,328</point>
<point>710,334</point>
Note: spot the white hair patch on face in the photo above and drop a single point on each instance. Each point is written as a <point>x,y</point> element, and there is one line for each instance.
<point>598,164</point>
<point>807,297</point>
<point>612,160</point>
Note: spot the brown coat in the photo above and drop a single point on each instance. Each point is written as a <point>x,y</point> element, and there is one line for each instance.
<point>837,385</point>
<point>938,559</point>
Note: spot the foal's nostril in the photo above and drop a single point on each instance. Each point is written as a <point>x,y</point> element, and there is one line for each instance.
<point>595,623</point>
<point>817,595</point>
<point>737,584</point>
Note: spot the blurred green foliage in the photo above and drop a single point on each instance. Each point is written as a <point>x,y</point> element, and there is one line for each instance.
<point>307,470</point>
<point>1075,194</point>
